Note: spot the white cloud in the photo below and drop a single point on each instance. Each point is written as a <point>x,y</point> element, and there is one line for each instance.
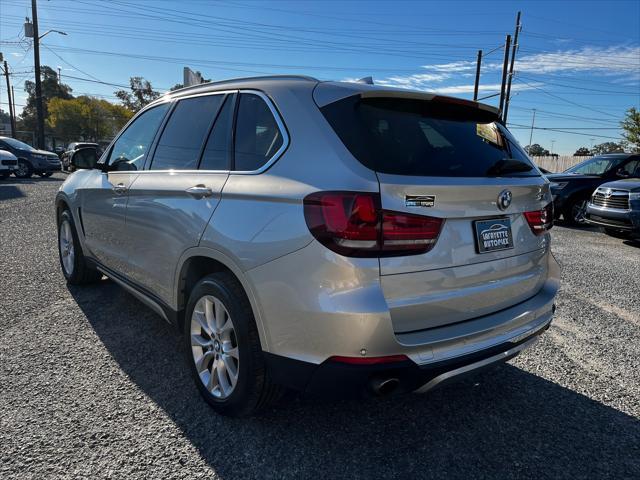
<point>617,59</point>
<point>463,66</point>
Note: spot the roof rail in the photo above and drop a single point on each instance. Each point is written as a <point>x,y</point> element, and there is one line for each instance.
<point>241,79</point>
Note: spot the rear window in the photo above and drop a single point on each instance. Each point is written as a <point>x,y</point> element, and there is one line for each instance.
<point>426,138</point>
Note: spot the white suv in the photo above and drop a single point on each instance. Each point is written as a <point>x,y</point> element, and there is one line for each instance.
<point>334,238</point>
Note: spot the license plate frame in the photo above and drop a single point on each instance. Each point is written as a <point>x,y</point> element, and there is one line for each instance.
<point>493,234</point>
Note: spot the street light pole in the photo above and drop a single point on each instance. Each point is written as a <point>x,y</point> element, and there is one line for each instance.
<point>36,62</point>
<point>533,121</point>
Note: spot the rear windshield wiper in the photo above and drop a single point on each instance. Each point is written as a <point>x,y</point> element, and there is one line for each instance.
<point>508,165</point>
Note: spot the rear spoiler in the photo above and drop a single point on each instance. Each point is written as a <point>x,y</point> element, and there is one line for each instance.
<point>329,92</point>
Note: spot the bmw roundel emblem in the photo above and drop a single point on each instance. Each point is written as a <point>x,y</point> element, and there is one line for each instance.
<point>504,199</point>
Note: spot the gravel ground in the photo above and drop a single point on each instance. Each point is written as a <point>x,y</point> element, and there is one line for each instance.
<point>93,385</point>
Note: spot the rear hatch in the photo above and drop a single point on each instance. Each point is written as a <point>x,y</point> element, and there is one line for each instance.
<point>450,159</point>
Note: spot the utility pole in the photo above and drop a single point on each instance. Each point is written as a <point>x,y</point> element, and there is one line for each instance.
<point>36,62</point>
<point>10,100</point>
<point>504,72</point>
<point>59,75</point>
<point>477,84</point>
<point>533,121</point>
<point>553,142</point>
<point>513,61</point>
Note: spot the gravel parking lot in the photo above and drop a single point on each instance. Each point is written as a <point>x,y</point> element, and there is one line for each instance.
<point>92,384</point>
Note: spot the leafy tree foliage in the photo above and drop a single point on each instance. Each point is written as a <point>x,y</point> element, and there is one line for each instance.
<point>51,88</point>
<point>582,152</point>
<point>536,150</point>
<point>607,147</point>
<point>141,94</point>
<point>631,127</point>
<point>86,118</point>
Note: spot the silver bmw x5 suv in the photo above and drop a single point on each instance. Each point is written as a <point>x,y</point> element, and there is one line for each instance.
<point>334,238</point>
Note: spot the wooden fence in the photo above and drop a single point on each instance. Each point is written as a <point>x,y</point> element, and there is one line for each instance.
<point>558,164</point>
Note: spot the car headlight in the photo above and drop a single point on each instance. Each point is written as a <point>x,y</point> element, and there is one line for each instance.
<point>558,185</point>
<point>634,196</point>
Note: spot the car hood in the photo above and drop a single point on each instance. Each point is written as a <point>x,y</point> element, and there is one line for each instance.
<point>631,184</point>
<point>567,177</point>
<point>7,155</point>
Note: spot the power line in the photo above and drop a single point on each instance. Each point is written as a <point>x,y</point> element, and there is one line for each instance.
<point>564,99</point>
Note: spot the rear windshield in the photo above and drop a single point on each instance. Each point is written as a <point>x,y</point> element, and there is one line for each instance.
<point>426,138</point>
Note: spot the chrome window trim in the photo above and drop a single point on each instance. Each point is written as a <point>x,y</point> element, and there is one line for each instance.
<point>276,115</point>
<point>283,131</point>
<point>161,129</point>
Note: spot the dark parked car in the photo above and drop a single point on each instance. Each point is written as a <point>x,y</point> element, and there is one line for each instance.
<point>72,147</point>
<point>572,189</point>
<point>616,206</point>
<point>30,160</point>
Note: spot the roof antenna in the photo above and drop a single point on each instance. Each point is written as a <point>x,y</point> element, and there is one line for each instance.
<point>366,80</point>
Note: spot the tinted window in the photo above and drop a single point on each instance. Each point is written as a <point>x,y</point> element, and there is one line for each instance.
<point>181,141</point>
<point>258,137</point>
<point>130,150</point>
<point>633,168</point>
<point>426,138</point>
<point>596,165</point>
<point>216,153</point>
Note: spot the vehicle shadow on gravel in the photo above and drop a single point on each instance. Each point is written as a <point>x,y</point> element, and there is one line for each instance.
<point>505,423</point>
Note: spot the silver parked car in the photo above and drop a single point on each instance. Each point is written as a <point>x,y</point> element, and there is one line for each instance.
<point>334,238</point>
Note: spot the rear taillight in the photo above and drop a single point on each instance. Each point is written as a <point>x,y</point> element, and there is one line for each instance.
<point>354,224</point>
<point>540,221</point>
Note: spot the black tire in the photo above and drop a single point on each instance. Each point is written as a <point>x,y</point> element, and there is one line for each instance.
<point>253,390</point>
<point>25,170</point>
<point>574,213</point>
<point>45,174</point>
<point>617,233</point>
<point>81,273</point>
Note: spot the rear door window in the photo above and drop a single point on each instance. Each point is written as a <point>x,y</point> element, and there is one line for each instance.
<point>257,137</point>
<point>182,139</point>
<point>426,138</point>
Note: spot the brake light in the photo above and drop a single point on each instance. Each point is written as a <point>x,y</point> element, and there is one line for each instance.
<point>354,224</point>
<point>540,221</point>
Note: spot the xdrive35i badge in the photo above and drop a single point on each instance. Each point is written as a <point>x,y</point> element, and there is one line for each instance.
<point>420,200</point>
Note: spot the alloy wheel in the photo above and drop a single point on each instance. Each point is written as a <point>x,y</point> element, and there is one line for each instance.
<point>67,251</point>
<point>22,169</point>
<point>578,211</point>
<point>214,346</point>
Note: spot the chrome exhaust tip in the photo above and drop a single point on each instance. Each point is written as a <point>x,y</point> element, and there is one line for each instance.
<point>384,386</point>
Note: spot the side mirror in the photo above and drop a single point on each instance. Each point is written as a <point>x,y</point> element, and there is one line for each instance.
<point>84,158</point>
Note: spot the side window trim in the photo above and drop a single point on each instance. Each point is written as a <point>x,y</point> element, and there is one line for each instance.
<point>109,150</point>
<point>154,145</point>
<point>281,126</point>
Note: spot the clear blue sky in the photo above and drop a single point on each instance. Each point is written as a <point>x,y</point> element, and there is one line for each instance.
<point>578,63</point>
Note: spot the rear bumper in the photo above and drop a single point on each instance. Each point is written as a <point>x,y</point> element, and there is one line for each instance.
<point>333,379</point>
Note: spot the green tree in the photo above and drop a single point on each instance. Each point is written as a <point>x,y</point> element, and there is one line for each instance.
<point>631,127</point>
<point>86,118</point>
<point>536,150</point>
<point>582,152</point>
<point>607,147</point>
<point>51,88</point>
<point>141,94</point>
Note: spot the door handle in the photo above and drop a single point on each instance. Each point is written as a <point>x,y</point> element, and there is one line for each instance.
<point>120,188</point>
<point>199,191</point>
